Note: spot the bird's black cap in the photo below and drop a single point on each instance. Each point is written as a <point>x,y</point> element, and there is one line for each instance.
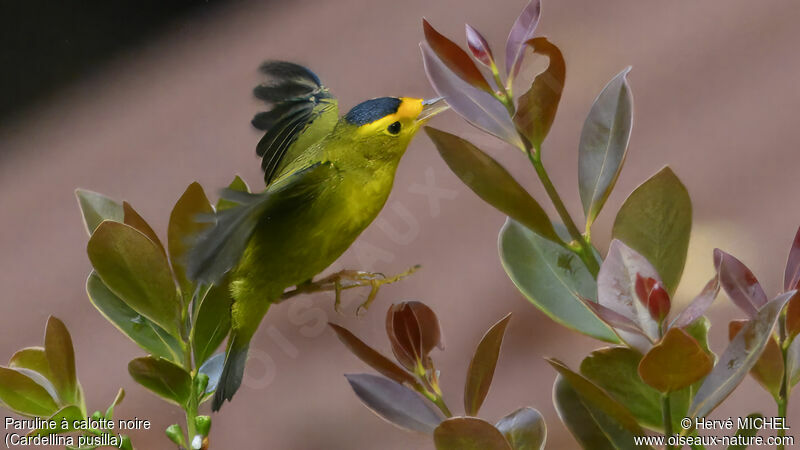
<point>372,110</point>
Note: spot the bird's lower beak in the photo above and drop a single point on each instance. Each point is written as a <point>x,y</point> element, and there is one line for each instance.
<point>431,108</point>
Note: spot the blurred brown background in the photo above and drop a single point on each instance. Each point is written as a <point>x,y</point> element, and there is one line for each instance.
<point>715,94</point>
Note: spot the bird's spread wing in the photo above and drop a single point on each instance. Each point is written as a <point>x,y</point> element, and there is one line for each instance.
<point>303,112</point>
<point>220,247</point>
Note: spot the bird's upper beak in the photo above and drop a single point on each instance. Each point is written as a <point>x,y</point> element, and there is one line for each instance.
<point>430,108</point>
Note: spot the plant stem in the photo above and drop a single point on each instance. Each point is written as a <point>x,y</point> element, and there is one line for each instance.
<point>783,395</point>
<point>584,250</point>
<point>666,409</point>
<point>439,401</point>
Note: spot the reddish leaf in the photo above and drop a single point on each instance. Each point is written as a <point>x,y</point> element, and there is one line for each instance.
<point>653,295</point>
<point>675,363</point>
<point>468,433</point>
<point>769,368</point>
<point>479,47</point>
<point>739,283</point>
<point>456,59</point>
<point>699,305</point>
<point>481,368</point>
<point>791,276</point>
<point>413,331</point>
<point>374,359</point>
<point>793,316</point>
<point>536,109</point>
<point>476,106</point>
<point>521,32</point>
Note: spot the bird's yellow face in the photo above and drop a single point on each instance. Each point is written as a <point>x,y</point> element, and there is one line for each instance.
<point>410,114</point>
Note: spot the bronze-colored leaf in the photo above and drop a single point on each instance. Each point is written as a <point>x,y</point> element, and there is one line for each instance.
<point>183,228</point>
<point>370,356</point>
<point>413,331</point>
<point>536,109</point>
<point>675,362</point>
<point>61,360</point>
<point>133,219</point>
<point>468,433</point>
<point>481,368</point>
<point>492,182</point>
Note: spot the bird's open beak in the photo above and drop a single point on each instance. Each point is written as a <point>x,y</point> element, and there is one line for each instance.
<point>431,107</point>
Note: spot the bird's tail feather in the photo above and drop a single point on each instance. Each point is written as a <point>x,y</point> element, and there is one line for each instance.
<point>232,371</point>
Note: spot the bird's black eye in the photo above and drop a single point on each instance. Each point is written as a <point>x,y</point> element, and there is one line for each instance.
<point>394,128</point>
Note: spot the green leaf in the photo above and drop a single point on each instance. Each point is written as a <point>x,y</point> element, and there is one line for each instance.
<point>676,362</point>
<point>598,400</point>
<point>746,433</point>
<point>141,330</point>
<point>481,368</point>
<point>69,413</point>
<point>133,219</point>
<point>551,278</point>
<point>371,357</point>
<point>96,208</point>
<point>656,220</point>
<point>524,429</point>
<point>394,402</point>
<point>61,360</point>
<point>741,355</point>
<point>117,400</point>
<point>133,267</point>
<point>183,227</point>
<point>603,144</point>
<point>165,379</point>
<point>468,433</point>
<point>793,362</point>
<point>238,184</point>
<point>615,369</point>
<point>591,426</point>
<point>487,178</point>
<point>31,358</point>
<point>21,394</point>
<point>213,322</point>
<point>536,109</point>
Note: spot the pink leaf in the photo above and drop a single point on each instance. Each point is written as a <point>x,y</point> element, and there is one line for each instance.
<point>521,32</point>
<point>792,275</point>
<point>478,107</point>
<point>739,283</point>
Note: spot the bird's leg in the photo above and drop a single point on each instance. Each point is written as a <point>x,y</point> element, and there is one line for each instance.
<point>348,279</point>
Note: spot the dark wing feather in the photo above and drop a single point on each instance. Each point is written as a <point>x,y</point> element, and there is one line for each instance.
<point>297,98</point>
<point>220,246</point>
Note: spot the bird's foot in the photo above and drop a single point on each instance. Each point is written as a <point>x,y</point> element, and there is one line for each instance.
<point>348,279</point>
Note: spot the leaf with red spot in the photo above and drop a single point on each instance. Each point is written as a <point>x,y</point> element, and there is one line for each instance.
<point>769,368</point>
<point>479,47</point>
<point>739,283</point>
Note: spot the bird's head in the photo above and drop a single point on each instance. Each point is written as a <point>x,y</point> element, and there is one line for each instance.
<point>387,124</point>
